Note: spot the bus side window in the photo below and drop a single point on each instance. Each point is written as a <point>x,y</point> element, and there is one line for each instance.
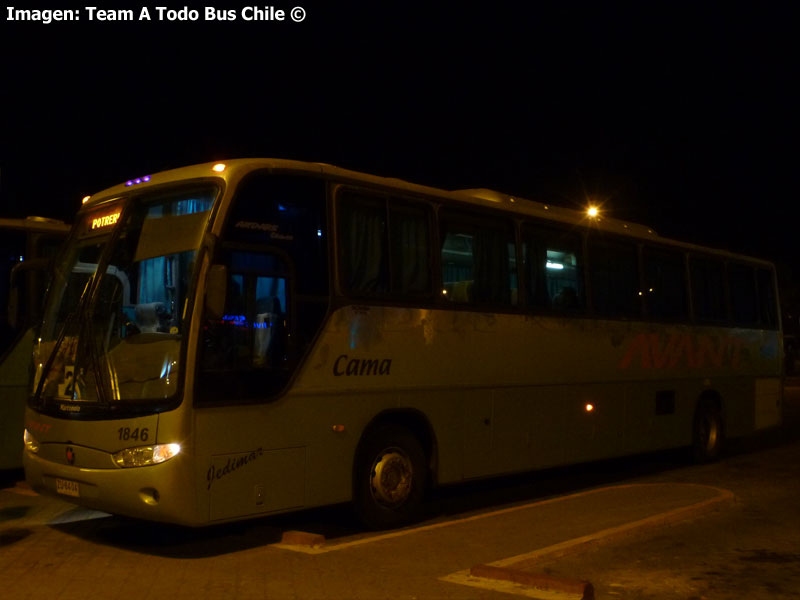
<point>743,296</point>
<point>767,302</point>
<point>478,262</point>
<point>614,276</point>
<point>708,289</point>
<point>362,232</point>
<point>554,269</point>
<point>665,284</point>
<point>384,245</point>
<point>410,249</point>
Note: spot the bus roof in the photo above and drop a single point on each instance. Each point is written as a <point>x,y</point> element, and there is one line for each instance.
<point>230,172</point>
<point>35,224</point>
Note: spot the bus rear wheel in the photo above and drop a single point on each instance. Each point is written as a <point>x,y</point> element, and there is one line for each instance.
<point>390,477</point>
<point>707,431</point>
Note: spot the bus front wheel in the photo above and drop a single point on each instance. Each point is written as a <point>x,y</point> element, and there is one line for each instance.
<point>390,477</point>
<point>707,431</point>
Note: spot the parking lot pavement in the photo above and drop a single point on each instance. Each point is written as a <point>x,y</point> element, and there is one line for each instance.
<point>589,519</point>
<point>749,550</point>
<point>54,550</point>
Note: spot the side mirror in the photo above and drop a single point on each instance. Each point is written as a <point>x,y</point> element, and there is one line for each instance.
<point>216,291</point>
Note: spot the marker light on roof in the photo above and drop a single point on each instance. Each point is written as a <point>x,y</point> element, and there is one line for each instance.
<point>85,199</point>
<point>592,211</point>
<point>219,167</point>
<point>137,181</point>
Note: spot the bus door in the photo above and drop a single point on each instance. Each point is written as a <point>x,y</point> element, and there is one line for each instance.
<point>272,262</point>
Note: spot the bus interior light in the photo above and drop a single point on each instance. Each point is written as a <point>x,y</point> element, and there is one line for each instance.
<point>589,407</point>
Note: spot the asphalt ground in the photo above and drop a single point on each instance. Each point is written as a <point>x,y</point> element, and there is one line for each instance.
<point>44,536</point>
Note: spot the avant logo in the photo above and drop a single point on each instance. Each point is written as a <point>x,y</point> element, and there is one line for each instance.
<point>659,351</point>
<point>347,366</point>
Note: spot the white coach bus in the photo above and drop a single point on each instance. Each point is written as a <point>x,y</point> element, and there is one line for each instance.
<point>230,340</point>
<point>26,248</point>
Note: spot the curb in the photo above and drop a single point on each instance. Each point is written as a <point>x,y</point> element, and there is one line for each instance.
<point>584,589</point>
<point>302,538</point>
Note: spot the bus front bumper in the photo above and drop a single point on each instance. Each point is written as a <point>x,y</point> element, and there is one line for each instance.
<point>155,493</point>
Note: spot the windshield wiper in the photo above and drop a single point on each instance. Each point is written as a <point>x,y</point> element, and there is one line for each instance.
<point>75,316</point>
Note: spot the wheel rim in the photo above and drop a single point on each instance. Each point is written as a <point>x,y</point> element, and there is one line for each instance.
<point>391,477</point>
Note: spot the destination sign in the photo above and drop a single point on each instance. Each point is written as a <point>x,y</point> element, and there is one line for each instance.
<point>105,220</point>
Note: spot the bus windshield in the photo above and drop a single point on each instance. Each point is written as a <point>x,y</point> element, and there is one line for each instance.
<point>114,317</point>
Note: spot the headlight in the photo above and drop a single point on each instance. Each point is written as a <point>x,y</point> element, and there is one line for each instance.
<point>31,443</point>
<point>146,455</point>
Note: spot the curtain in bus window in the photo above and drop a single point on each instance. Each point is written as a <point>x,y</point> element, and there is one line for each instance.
<point>363,247</point>
<point>187,207</point>
<point>513,275</point>
<point>410,251</point>
<point>478,264</point>
<point>151,280</point>
<point>532,248</point>
<point>492,278</point>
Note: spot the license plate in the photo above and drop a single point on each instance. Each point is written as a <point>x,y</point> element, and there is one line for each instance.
<point>68,488</point>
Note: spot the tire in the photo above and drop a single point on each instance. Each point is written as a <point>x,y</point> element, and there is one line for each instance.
<point>389,478</point>
<point>708,434</point>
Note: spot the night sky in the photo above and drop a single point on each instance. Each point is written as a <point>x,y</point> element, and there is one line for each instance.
<point>678,116</point>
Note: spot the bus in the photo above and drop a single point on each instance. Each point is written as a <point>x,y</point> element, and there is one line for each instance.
<point>250,337</point>
<point>26,247</point>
